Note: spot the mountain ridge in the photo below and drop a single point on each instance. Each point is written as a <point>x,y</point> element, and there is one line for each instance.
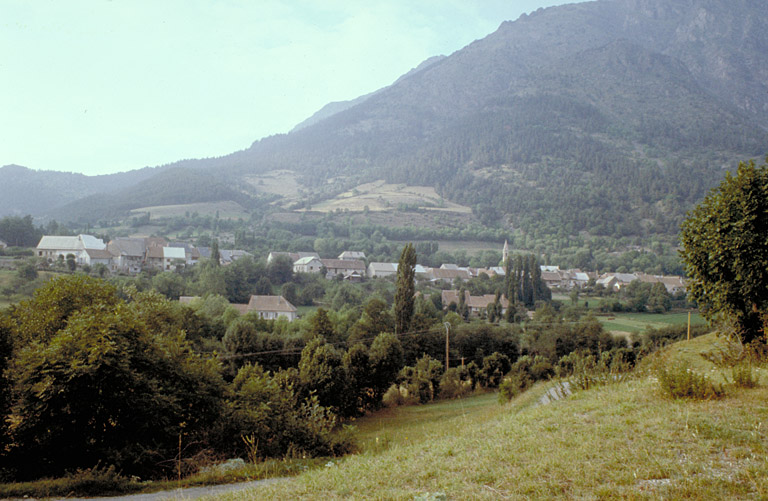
<point>625,99</point>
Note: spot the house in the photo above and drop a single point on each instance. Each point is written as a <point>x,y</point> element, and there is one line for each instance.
<point>449,275</point>
<point>191,253</point>
<point>673,284</point>
<point>293,256</point>
<point>624,279</point>
<point>51,247</point>
<point>229,256</point>
<point>354,276</point>
<point>609,282</point>
<point>382,269</point>
<point>352,255</point>
<point>498,270</point>
<point>155,257</point>
<point>307,265</point>
<point>343,266</point>
<point>476,304</point>
<point>272,307</point>
<point>97,256</point>
<point>173,256</point>
<point>553,279</point>
<point>127,254</point>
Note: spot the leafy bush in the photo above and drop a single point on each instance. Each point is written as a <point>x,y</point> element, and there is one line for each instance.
<point>513,385</point>
<point>495,366</point>
<point>682,382</point>
<point>743,376</point>
<point>584,371</point>
<point>458,382</point>
<point>397,396</point>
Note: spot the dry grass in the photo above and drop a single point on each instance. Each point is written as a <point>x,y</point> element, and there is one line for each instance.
<point>278,182</point>
<point>380,196</point>
<point>226,210</point>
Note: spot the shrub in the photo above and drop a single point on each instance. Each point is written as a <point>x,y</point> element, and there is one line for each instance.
<point>513,385</point>
<point>583,370</point>
<point>682,382</point>
<point>458,382</point>
<point>397,396</point>
<point>742,376</point>
<point>495,366</point>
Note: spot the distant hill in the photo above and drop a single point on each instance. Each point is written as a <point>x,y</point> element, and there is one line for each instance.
<point>610,117</point>
<point>169,187</point>
<point>27,191</point>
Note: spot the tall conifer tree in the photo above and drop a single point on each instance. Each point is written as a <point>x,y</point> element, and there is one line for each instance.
<point>406,287</point>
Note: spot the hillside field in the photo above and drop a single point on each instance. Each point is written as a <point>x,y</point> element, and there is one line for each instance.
<point>380,196</point>
<point>624,440</point>
<point>226,210</point>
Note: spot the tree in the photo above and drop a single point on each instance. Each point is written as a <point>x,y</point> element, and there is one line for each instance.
<point>725,250</point>
<point>215,254</point>
<point>406,287</point>
<point>102,381</point>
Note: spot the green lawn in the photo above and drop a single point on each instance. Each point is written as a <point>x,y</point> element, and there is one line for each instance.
<point>304,311</point>
<point>637,322</point>
<point>414,424</point>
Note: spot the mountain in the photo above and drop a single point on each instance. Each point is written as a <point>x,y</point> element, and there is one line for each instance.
<point>333,108</point>
<point>177,185</point>
<point>610,117</point>
<point>26,191</point>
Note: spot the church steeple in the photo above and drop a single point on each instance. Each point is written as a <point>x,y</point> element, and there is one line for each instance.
<point>505,252</point>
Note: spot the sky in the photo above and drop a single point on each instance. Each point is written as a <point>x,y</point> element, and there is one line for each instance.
<point>103,86</point>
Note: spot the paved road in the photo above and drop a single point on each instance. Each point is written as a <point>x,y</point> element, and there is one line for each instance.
<point>179,494</point>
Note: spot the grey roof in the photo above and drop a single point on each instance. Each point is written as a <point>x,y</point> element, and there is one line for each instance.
<point>134,247</point>
<point>270,303</point>
<point>383,267</point>
<point>227,256</point>
<point>305,260</point>
<point>98,253</point>
<point>60,243</point>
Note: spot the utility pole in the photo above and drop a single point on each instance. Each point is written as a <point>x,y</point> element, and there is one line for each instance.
<point>447,332</point>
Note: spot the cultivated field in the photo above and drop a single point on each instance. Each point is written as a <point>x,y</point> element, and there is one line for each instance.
<point>380,196</point>
<point>278,182</point>
<point>636,322</point>
<point>226,210</point>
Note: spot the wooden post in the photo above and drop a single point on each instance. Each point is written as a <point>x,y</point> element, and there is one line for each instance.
<point>689,325</point>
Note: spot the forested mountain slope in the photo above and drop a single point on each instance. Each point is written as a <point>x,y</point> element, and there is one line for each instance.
<point>610,117</point>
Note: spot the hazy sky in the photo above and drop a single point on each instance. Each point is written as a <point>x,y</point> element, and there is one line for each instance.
<point>107,86</point>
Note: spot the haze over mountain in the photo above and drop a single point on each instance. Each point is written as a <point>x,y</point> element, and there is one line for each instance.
<point>611,117</point>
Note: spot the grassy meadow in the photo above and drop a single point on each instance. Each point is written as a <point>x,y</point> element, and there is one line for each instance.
<point>624,440</point>
<point>380,196</point>
<point>226,210</point>
<point>637,322</point>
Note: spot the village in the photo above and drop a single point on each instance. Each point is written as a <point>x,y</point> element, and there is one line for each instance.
<point>131,256</point>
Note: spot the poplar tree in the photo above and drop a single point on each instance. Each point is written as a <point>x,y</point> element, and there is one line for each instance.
<point>406,287</point>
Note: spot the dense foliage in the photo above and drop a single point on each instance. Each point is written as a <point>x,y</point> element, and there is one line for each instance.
<point>725,249</point>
